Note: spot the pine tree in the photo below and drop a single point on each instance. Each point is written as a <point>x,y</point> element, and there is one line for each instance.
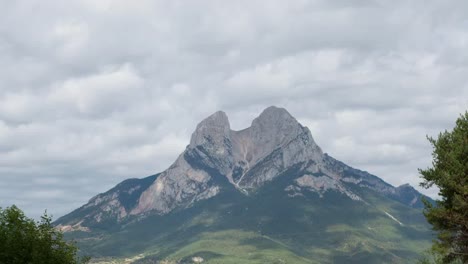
<point>449,172</point>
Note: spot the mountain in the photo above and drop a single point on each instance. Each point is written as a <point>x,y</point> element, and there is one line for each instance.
<point>265,194</point>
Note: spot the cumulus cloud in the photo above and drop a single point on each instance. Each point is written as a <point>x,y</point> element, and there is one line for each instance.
<point>94,92</point>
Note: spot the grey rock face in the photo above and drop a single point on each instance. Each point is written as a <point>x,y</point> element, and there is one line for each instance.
<point>179,185</point>
<point>274,128</point>
<point>322,184</point>
<point>212,133</point>
<point>274,142</point>
<point>248,158</point>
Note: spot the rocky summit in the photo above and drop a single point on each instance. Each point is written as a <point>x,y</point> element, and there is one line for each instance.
<point>265,188</point>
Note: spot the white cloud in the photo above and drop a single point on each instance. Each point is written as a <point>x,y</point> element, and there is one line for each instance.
<point>93,92</point>
<point>74,37</point>
<point>110,90</point>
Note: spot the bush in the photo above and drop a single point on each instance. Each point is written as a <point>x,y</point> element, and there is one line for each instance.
<point>23,240</point>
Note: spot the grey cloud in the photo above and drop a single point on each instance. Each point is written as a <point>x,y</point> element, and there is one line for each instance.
<point>94,92</point>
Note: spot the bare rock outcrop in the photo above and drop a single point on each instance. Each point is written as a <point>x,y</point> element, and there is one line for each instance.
<point>248,158</point>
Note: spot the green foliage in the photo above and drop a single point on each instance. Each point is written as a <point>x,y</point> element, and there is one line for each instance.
<point>23,240</point>
<point>449,173</point>
<point>433,257</point>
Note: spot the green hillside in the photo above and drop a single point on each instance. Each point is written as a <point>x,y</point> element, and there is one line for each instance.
<point>269,226</point>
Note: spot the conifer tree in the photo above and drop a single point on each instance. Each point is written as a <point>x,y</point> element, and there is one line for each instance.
<point>449,172</point>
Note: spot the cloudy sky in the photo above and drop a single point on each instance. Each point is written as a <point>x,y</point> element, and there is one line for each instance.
<point>94,92</point>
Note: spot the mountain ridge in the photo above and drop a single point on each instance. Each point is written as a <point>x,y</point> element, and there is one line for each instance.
<point>212,143</point>
<point>226,168</point>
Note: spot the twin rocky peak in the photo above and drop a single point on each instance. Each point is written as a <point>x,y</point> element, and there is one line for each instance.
<point>219,158</point>
<point>247,158</point>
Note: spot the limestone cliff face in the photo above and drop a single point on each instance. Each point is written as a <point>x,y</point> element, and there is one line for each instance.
<point>180,185</point>
<point>274,142</point>
<point>248,159</point>
<point>183,184</point>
